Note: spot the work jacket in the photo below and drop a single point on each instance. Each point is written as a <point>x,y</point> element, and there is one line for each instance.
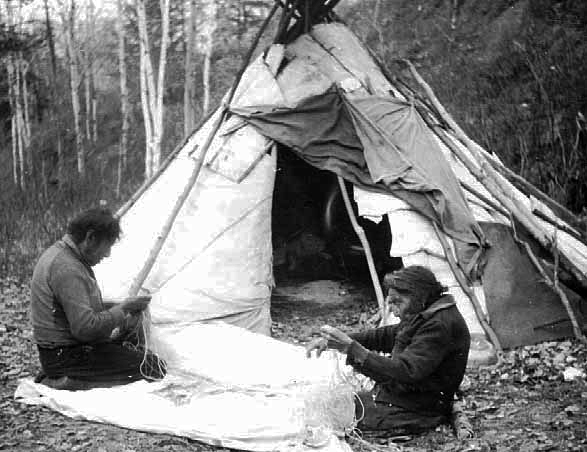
<point>428,358</point>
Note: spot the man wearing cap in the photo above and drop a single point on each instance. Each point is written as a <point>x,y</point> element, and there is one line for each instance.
<point>426,355</point>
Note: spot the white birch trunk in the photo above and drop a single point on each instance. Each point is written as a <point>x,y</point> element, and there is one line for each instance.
<point>20,123</point>
<point>206,79</point>
<point>24,68</point>
<point>160,87</point>
<point>25,118</point>
<point>144,70</point>
<point>20,140</point>
<point>14,151</point>
<point>124,107</point>
<point>211,15</point>
<point>13,131</point>
<point>94,107</point>
<point>74,81</point>
<point>87,100</point>
<point>151,90</point>
<point>189,87</point>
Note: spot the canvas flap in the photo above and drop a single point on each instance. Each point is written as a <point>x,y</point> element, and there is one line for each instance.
<point>378,144</point>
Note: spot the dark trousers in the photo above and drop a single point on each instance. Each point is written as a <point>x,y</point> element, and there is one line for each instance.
<point>101,365</point>
<point>390,418</point>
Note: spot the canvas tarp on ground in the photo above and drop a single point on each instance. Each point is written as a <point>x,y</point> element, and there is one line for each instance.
<point>226,387</point>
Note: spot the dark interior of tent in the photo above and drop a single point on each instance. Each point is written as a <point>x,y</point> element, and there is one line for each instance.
<point>313,238</point>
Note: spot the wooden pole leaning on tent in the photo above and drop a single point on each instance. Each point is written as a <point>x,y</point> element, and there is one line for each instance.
<point>485,173</point>
<point>363,238</point>
<point>148,265</point>
<point>563,227</point>
<point>462,280</point>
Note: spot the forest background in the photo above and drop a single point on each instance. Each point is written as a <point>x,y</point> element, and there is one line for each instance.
<point>95,94</point>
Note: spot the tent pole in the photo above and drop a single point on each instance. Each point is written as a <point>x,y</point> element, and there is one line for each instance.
<point>148,265</point>
<point>559,225</point>
<point>363,238</point>
<point>460,276</point>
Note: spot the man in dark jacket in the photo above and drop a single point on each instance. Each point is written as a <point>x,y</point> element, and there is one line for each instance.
<point>82,341</point>
<point>415,385</point>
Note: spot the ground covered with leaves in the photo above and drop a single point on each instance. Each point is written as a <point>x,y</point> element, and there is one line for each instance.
<point>530,402</point>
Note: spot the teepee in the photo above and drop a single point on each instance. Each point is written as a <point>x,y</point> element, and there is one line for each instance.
<point>197,235</point>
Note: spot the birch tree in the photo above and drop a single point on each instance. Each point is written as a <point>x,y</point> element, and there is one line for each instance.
<point>210,29</point>
<point>18,99</point>
<point>152,89</point>
<point>189,87</point>
<point>16,70</point>
<point>124,104</point>
<point>17,153</point>
<point>88,58</point>
<point>68,19</point>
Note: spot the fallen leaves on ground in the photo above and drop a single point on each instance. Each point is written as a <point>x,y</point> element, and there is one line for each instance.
<point>524,404</point>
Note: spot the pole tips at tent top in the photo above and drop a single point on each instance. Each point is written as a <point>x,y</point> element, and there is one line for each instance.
<point>299,16</point>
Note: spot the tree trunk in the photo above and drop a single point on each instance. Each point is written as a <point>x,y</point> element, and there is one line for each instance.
<point>14,151</point>
<point>74,81</point>
<point>151,90</point>
<point>25,116</point>
<point>145,82</point>
<point>54,110</point>
<point>160,87</point>
<point>124,106</point>
<point>15,95</point>
<point>87,99</point>
<point>13,132</point>
<point>91,72</point>
<point>211,16</point>
<point>94,106</point>
<point>189,87</point>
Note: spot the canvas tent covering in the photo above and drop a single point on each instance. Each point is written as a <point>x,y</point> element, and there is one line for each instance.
<point>323,97</point>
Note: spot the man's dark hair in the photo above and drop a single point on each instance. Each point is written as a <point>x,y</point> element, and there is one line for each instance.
<point>100,221</point>
<point>418,282</point>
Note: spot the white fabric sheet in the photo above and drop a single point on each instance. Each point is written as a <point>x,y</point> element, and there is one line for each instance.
<point>226,386</point>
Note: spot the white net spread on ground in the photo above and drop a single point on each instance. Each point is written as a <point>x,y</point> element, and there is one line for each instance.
<point>228,387</point>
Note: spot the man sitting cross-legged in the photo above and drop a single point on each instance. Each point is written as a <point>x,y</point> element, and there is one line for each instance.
<point>82,341</point>
<point>428,349</point>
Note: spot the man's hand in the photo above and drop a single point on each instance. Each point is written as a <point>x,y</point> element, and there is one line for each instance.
<point>133,305</point>
<point>336,339</point>
<point>319,344</point>
<point>331,338</point>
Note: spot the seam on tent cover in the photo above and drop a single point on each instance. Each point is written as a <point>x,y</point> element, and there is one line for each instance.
<point>214,239</point>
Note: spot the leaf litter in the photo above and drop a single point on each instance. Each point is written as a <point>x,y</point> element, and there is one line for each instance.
<point>525,404</point>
